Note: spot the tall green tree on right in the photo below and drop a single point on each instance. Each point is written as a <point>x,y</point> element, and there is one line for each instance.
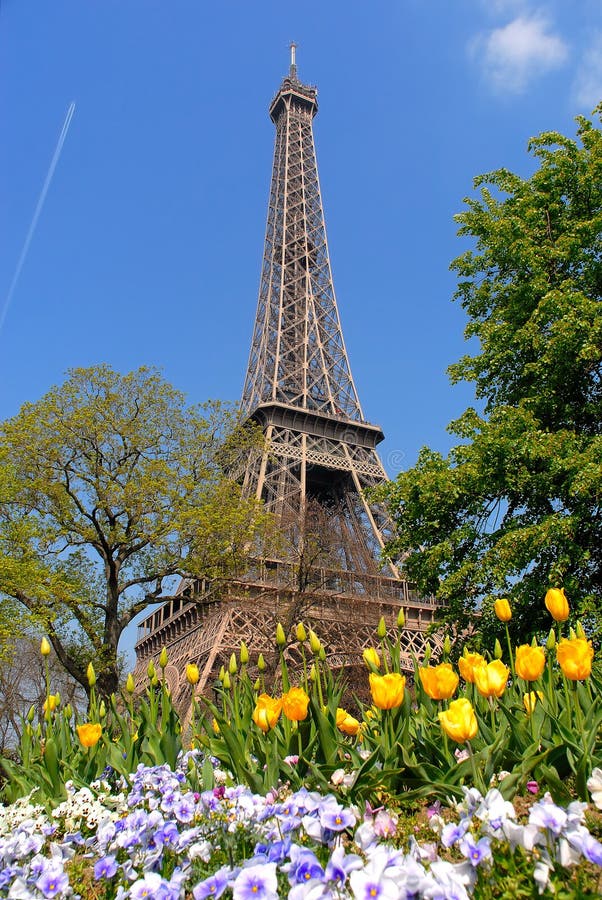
<point>516,506</point>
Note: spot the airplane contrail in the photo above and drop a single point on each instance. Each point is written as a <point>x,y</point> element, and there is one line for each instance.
<point>38,210</point>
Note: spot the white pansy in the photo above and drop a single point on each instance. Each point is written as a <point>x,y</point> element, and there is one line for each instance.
<point>594,786</point>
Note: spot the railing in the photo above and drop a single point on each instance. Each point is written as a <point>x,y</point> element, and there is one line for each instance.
<point>276,574</point>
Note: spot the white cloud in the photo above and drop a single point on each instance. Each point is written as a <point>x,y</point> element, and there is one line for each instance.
<point>587,86</point>
<point>515,53</point>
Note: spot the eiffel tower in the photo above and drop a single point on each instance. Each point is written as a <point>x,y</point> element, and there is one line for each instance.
<point>317,464</point>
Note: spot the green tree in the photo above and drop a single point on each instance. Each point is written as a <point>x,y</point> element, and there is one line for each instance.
<point>111,489</point>
<point>515,506</point>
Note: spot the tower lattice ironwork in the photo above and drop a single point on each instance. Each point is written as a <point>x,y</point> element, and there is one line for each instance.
<point>319,459</point>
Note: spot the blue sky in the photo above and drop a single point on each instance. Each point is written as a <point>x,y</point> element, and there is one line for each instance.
<point>147,248</point>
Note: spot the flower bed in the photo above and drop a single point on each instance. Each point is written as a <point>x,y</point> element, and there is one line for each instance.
<point>152,836</point>
<point>287,793</point>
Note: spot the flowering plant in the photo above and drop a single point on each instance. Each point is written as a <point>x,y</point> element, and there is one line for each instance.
<point>150,836</point>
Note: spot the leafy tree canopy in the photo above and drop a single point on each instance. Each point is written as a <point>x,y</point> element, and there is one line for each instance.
<point>111,488</point>
<point>515,507</point>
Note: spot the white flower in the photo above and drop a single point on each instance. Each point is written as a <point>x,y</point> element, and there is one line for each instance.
<point>594,785</point>
<point>541,875</point>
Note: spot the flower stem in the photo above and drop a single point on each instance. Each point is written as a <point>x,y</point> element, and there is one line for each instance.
<point>478,780</point>
<point>510,650</point>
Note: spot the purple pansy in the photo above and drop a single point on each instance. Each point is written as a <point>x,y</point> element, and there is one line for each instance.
<point>214,886</point>
<point>53,881</point>
<point>256,883</point>
<point>105,867</point>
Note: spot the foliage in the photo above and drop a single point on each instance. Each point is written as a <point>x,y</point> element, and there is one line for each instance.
<point>517,501</point>
<point>111,487</point>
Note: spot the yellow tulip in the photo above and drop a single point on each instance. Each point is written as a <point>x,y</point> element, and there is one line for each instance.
<point>467,663</point>
<point>314,643</point>
<point>502,610</point>
<point>459,721</point>
<point>491,678</point>
<point>294,704</point>
<point>280,635</point>
<point>89,734</point>
<point>387,690</point>
<point>244,654</point>
<point>530,700</point>
<point>91,675</point>
<point>439,682</point>
<point>529,662</point>
<point>301,633</point>
<point>51,703</point>
<point>371,657</point>
<point>45,647</point>
<point>163,658</point>
<point>557,604</point>
<point>267,712</point>
<point>575,658</point>
<point>130,685</point>
<point>346,722</point>
<point>192,674</point>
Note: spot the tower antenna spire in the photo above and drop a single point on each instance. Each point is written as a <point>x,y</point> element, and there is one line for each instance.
<point>293,69</point>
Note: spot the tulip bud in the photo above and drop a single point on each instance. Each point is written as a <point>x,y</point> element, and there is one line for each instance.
<point>313,673</point>
<point>401,618</point>
<point>154,680</point>
<point>222,673</point>
<point>44,647</point>
<point>51,703</point>
<point>226,681</point>
<point>322,653</point>
<point>280,635</point>
<point>192,674</point>
<point>497,650</point>
<point>502,610</point>
<point>557,604</point>
<point>579,630</point>
<point>261,663</point>
<point>371,658</point>
<point>91,675</point>
<point>102,710</point>
<point>68,711</point>
<point>427,652</point>
<point>232,667</point>
<point>382,628</point>
<point>31,714</point>
<point>150,670</point>
<point>314,642</point>
<point>163,658</point>
<point>129,684</point>
<point>447,645</point>
<point>244,654</point>
<point>551,641</point>
<point>572,634</point>
<point>257,684</point>
<point>301,632</point>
